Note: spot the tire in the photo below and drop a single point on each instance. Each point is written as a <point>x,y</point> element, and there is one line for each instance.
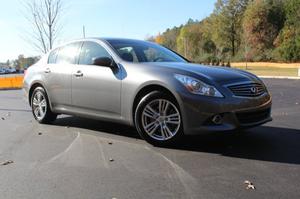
<point>40,107</point>
<point>161,124</point>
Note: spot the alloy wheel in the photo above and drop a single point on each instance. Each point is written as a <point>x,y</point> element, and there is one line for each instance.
<point>39,105</point>
<point>161,119</point>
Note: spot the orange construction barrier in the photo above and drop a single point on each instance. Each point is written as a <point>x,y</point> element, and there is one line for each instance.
<point>11,82</point>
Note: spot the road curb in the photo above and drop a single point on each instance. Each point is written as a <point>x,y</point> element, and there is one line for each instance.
<point>278,77</point>
<point>7,89</point>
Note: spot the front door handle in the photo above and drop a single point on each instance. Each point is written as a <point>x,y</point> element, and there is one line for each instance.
<point>78,74</point>
<point>47,70</point>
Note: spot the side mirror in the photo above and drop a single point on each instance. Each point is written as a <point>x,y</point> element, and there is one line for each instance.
<point>103,61</point>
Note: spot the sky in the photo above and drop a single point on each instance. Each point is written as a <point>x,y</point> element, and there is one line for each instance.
<point>102,18</point>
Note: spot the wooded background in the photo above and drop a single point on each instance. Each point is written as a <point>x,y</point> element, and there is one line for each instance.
<point>239,30</point>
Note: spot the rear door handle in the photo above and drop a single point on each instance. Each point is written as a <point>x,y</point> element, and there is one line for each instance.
<point>78,74</point>
<point>47,70</point>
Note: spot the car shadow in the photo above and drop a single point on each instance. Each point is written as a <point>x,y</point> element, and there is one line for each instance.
<point>96,125</point>
<point>263,143</point>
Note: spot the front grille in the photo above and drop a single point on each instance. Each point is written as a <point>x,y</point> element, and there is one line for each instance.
<point>248,90</point>
<point>253,117</point>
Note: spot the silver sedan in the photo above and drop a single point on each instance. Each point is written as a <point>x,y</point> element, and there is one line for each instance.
<point>145,85</point>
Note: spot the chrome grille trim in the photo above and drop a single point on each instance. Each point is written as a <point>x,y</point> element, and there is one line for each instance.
<point>247,89</point>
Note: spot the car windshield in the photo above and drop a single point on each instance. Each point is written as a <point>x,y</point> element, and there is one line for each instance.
<point>142,51</point>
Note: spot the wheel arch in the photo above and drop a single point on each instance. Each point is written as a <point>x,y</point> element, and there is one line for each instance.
<point>146,90</point>
<point>33,86</point>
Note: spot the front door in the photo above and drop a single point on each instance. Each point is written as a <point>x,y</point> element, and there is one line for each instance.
<point>95,89</point>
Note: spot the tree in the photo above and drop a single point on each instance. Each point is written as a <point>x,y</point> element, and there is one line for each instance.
<point>263,19</point>
<point>159,39</point>
<point>150,38</point>
<point>288,42</point>
<point>255,30</point>
<point>8,63</point>
<point>227,21</point>
<point>170,37</point>
<point>189,40</point>
<point>22,63</point>
<point>44,16</point>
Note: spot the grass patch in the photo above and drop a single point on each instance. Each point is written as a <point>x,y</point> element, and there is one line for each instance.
<point>270,71</point>
<point>266,64</point>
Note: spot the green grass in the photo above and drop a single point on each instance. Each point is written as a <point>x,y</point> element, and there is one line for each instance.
<point>271,71</point>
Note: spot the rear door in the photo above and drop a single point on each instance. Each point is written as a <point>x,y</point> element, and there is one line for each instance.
<point>95,89</point>
<point>58,73</point>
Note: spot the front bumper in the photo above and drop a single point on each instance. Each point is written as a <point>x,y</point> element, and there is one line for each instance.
<point>236,112</point>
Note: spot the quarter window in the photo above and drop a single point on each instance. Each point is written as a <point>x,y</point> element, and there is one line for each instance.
<point>68,54</point>
<point>90,51</point>
<point>52,56</point>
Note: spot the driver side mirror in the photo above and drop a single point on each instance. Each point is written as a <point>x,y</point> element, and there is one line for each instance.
<point>103,61</point>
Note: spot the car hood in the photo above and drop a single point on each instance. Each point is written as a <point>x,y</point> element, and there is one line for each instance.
<point>221,75</point>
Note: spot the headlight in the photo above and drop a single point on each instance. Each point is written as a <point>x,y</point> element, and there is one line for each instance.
<point>198,87</point>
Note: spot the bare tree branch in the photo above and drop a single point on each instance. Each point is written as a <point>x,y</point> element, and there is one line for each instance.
<point>44,17</point>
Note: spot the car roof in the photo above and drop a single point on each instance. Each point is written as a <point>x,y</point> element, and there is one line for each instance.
<point>104,39</point>
<point>116,39</point>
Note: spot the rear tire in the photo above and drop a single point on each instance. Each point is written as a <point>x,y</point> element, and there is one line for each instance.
<point>41,107</point>
<point>158,119</point>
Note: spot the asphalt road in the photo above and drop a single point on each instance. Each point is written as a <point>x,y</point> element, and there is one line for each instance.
<point>74,158</point>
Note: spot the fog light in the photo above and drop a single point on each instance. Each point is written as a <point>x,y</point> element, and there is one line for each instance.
<point>217,119</point>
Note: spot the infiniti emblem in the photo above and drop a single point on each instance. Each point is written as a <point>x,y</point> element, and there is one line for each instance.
<point>253,90</point>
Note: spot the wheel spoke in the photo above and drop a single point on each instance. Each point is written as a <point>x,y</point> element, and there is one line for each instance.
<point>173,122</point>
<point>41,111</point>
<point>149,112</point>
<point>43,103</point>
<point>168,131</point>
<point>165,132</point>
<point>162,132</point>
<point>173,118</point>
<point>151,128</point>
<point>35,102</point>
<point>39,96</point>
<point>36,111</point>
<point>163,106</point>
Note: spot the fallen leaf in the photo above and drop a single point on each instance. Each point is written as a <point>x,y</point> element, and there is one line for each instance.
<point>7,162</point>
<point>249,184</point>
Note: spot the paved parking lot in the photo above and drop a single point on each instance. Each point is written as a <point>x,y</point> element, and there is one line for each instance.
<point>81,158</point>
